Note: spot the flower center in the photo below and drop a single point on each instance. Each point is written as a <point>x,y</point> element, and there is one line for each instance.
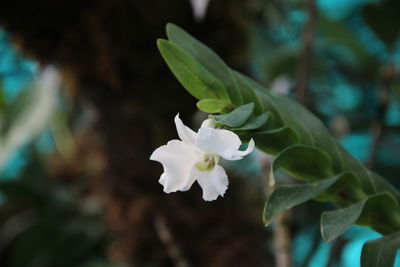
<point>207,162</point>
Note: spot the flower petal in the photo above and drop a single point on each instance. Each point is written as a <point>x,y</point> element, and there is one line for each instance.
<point>222,142</point>
<point>240,154</point>
<point>213,183</point>
<point>186,134</point>
<point>208,123</point>
<point>177,158</point>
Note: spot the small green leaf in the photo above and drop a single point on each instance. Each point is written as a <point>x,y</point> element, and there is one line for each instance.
<point>288,196</point>
<point>212,105</point>
<point>335,223</point>
<point>380,252</point>
<point>190,73</point>
<point>304,162</point>
<point>254,123</point>
<point>274,141</point>
<point>237,117</point>
<point>208,58</point>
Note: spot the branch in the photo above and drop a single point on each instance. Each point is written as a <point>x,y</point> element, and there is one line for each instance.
<point>167,239</point>
<point>281,227</point>
<point>305,64</point>
<point>378,124</point>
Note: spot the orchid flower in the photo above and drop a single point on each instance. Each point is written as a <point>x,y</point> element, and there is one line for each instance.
<point>196,156</point>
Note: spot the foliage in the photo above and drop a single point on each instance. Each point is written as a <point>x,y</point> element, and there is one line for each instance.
<point>44,223</point>
<point>301,143</point>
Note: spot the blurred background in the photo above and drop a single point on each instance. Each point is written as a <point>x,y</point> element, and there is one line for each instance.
<point>85,98</point>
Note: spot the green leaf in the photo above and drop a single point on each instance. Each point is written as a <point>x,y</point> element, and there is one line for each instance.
<point>287,196</point>
<point>380,252</point>
<point>237,117</point>
<point>254,123</point>
<point>263,95</point>
<point>335,223</point>
<point>211,105</point>
<point>190,73</point>
<point>304,162</point>
<point>344,192</point>
<point>311,131</point>
<point>248,94</point>
<point>274,141</point>
<point>208,58</point>
<point>385,207</point>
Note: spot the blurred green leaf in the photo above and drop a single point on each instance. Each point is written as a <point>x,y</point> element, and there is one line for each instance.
<point>380,252</point>
<point>14,110</point>
<point>208,58</point>
<point>192,75</point>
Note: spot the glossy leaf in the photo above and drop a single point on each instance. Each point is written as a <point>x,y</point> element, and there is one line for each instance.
<point>237,117</point>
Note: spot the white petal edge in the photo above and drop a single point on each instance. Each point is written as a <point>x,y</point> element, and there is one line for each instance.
<point>177,159</point>
<point>186,134</point>
<point>222,142</point>
<point>208,123</point>
<point>240,154</point>
<point>213,183</point>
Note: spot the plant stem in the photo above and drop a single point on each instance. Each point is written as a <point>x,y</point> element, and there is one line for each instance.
<point>378,124</point>
<point>305,64</point>
<point>167,239</point>
<point>281,227</point>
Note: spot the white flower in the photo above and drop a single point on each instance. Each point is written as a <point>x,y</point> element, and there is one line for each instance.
<point>196,157</point>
